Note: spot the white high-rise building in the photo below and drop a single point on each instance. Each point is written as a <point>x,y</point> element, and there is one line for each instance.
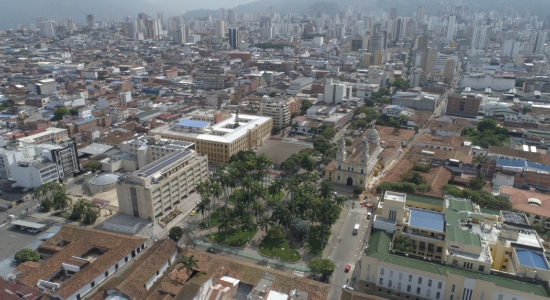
<point>538,39</point>
<point>479,37</point>
<point>451,28</point>
<point>335,92</point>
<point>48,29</point>
<point>511,48</point>
<point>220,28</point>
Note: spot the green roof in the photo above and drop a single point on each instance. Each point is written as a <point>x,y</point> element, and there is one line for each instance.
<point>424,200</point>
<point>466,237</point>
<point>490,211</point>
<point>379,244</point>
<point>452,217</point>
<point>459,204</point>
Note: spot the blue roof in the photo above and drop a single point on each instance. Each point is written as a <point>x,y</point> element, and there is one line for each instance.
<point>427,220</point>
<point>523,164</point>
<point>531,259</point>
<point>84,121</point>
<point>192,123</point>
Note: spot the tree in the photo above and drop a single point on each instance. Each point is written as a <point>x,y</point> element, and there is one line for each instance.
<point>307,162</point>
<point>348,142</point>
<point>321,266</point>
<point>92,165</point>
<point>403,243</point>
<point>61,200</point>
<point>85,211</point>
<point>305,106</point>
<point>294,115</point>
<point>188,263</point>
<point>26,254</point>
<point>273,94</point>
<point>321,144</point>
<point>400,84</point>
<point>275,130</point>
<point>175,233</point>
<point>224,225</point>
<point>59,113</point>
<point>479,161</point>
<point>299,228</point>
<point>74,111</point>
<point>265,223</point>
<point>477,183</point>
<point>413,177</point>
<point>357,190</point>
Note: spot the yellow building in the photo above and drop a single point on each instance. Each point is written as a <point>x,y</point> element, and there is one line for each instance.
<point>221,140</point>
<point>357,168</point>
<point>454,250</point>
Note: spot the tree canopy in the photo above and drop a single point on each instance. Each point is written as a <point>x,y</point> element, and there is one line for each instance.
<point>488,133</point>
<point>92,165</point>
<point>321,266</point>
<point>175,233</point>
<point>26,254</point>
<point>59,113</point>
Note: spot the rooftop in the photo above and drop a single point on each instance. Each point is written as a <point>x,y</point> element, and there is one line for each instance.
<point>192,123</point>
<point>379,245</point>
<point>158,165</point>
<point>531,259</point>
<point>429,220</point>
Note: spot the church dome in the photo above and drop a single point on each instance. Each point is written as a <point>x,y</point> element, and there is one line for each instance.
<point>372,136</point>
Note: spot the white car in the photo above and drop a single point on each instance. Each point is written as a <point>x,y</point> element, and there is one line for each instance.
<point>347,287</point>
<point>11,217</point>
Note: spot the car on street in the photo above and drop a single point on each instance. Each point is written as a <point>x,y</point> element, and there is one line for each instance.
<point>348,267</point>
<point>212,250</point>
<point>347,287</point>
<point>11,217</point>
<point>193,212</point>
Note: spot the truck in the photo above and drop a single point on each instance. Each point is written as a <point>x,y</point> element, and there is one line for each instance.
<point>356,229</point>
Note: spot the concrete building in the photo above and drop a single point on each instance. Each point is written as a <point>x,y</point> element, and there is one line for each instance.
<point>480,38</point>
<point>538,39</point>
<point>427,60</point>
<point>336,92</point>
<point>449,69</point>
<point>482,81</point>
<point>50,135</point>
<point>279,109</point>
<point>43,87</point>
<point>234,39</point>
<point>412,100</point>
<point>457,251</point>
<point>33,172</point>
<point>156,189</point>
<point>463,105</point>
<point>221,140</point>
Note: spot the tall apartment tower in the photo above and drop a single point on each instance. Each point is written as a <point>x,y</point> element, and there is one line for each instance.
<point>419,17</point>
<point>427,60</point>
<point>538,39</point>
<point>234,40</point>
<point>181,37</point>
<point>479,37</point>
<point>449,69</point>
<point>422,43</point>
<point>451,28</point>
<point>91,21</point>
<point>393,13</point>
<point>220,28</point>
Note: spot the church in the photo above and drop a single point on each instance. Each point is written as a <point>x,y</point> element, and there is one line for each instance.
<point>355,164</point>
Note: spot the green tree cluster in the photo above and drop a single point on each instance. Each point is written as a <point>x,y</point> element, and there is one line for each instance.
<point>84,211</point>
<point>92,165</point>
<point>400,85</point>
<point>26,254</point>
<point>488,133</point>
<point>322,266</point>
<point>381,96</point>
<point>482,198</point>
<point>59,113</point>
<point>175,233</point>
<point>403,243</point>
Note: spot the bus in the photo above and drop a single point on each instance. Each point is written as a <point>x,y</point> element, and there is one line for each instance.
<point>356,229</point>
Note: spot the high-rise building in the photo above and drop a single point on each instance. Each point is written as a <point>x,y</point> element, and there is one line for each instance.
<point>160,16</point>
<point>279,109</point>
<point>71,24</point>
<point>181,37</point>
<point>422,43</point>
<point>234,39</point>
<point>397,29</point>
<point>463,105</point>
<point>393,13</point>
<point>91,21</point>
<point>47,29</point>
<point>220,28</point>
<point>511,48</point>
<point>231,16</point>
<point>479,37</point>
<point>538,39</point>
<point>427,61</point>
<point>451,28</point>
<point>419,17</point>
<point>449,69</point>
<point>335,92</point>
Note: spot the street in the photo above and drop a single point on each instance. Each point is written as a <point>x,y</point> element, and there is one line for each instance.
<point>349,248</point>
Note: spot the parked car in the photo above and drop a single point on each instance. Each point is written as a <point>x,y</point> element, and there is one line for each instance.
<point>193,212</point>
<point>11,217</point>
<point>212,250</point>
<point>347,287</point>
<point>348,267</point>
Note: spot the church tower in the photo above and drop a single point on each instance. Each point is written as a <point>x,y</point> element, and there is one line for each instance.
<point>364,157</point>
<point>341,155</point>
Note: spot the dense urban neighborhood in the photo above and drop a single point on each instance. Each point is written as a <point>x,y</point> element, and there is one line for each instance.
<point>342,153</point>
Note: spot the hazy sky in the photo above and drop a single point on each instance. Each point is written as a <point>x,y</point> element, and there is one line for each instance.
<point>191,5</point>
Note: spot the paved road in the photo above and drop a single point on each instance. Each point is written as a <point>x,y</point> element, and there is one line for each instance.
<point>349,249</point>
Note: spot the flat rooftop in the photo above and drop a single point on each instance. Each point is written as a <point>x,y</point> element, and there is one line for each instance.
<point>395,196</point>
<point>192,123</point>
<point>531,259</point>
<point>157,166</point>
<point>427,220</point>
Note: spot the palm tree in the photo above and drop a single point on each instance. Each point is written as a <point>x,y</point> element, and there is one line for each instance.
<point>281,215</point>
<point>292,184</point>
<point>403,243</point>
<point>479,161</point>
<point>247,224</point>
<point>189,263</point>
<point>324,231</point>
<point>276,187</point>
<point>340,201</point>
<point>224,224</point>
<point>202,207</point>
<point>258,207</point>
<point>265,223</point>
<point>256,189</point>
<point>61,200</point>
<point>215,191</point>
<point>205,199</point>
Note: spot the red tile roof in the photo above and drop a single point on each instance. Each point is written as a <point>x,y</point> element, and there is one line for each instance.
<point>519,198</point>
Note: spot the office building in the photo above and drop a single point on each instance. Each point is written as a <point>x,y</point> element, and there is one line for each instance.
<point>456,250</point>
<point>393,13</point>
<point>449,69</point>
<point>420,101</point>
<point>219,141</point>
<point>279,109</point>
<point>427,60</point>
<point>158,188</point>
<point>336,92</point>
<point>480,37</point>
<point>91,21</point>
<point>181,37</point>
<point>234,39</point>
<point>463,105</point>
<point>422,43</point>
<point>220,28</point>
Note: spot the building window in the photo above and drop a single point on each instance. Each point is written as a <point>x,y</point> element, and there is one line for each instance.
<point>399,286</point>
<point>116,266</point>
<point>482,295</point>
<point>92,284</point>
<point>389,283</point>
<point>106,274</point>
<point>500,296</point>
<point>437,295</point>
<point>391,273</point>
<point>410,278</point>
<point>429,282</point>
<point>408,288</point>
<point>381,281</point>
<point>400,275</point>
<point>453,288</point>
<point>368,267</point>
<point>481,268</point>
<point>419,280</point>
<point>439,285</point>
<point>381,271</point>
<point>368,277</point>
<point>418,290</point>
